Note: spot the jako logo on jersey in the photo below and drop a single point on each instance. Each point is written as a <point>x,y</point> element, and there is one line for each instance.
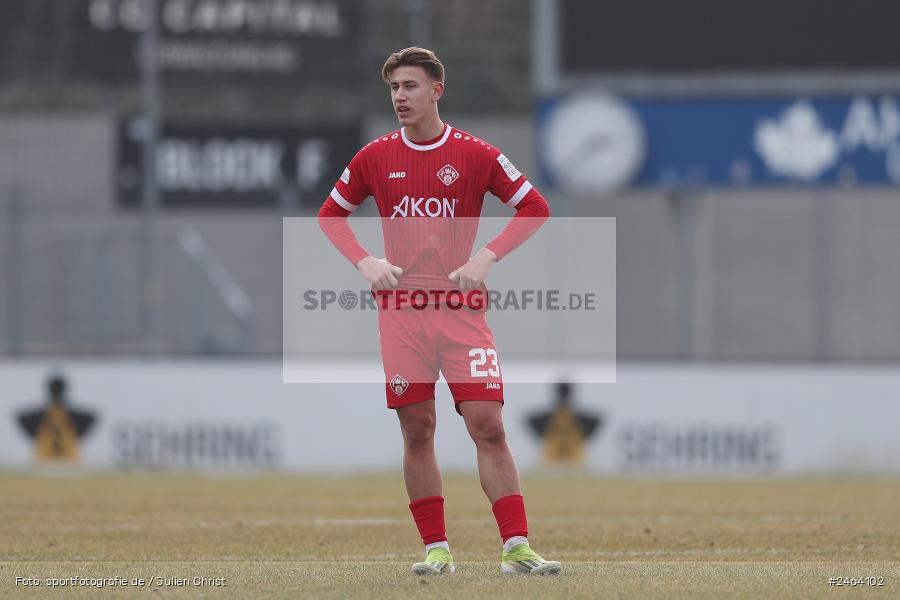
<point>448,174</point>
<point>492,386</point>
<point>421,207</point>
<point>399,385</point>
<point>396,174</point>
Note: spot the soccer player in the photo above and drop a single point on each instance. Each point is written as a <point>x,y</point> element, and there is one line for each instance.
<point>429,180</point>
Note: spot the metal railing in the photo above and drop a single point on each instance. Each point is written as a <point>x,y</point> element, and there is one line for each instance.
<point>71,284</point>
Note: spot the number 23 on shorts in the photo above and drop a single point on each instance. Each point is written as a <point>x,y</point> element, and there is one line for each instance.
<point>480,358</point>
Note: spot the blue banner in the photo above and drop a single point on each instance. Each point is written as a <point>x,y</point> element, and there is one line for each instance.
<point>826,140</point>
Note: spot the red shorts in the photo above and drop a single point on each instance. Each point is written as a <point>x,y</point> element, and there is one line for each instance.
<point>416,345</point>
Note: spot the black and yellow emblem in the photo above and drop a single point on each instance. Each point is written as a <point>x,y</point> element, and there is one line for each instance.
<point>564,430</point>
<point>57,428</point>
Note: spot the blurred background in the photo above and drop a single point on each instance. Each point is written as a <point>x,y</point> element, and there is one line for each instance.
<point>750,154</point>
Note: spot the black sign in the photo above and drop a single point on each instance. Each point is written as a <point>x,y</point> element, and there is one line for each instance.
<point>650,36</point>
<point>240,167</point>
<point>288,41</point>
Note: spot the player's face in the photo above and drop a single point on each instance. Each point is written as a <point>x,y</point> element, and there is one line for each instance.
<point>414,95</point>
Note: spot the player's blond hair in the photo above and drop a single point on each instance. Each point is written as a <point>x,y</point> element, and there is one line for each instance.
<point>414,57</point>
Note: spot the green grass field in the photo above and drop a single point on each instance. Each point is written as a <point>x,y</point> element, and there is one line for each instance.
<point>284,536</point>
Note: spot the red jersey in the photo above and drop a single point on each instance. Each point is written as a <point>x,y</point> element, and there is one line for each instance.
<point>430,196</point>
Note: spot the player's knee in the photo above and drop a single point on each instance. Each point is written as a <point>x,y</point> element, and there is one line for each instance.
<point>419,430</point>
<point>489,433</point>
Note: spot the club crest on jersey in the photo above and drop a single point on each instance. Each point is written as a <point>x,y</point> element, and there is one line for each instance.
<point>425,207</point>
<point>448,174</point>
<point>399,385</point>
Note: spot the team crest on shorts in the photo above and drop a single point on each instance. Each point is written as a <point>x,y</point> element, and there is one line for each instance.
<point>399,385</point>
<point>448,174</point>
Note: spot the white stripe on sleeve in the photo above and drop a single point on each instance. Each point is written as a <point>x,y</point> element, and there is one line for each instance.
<point>517,197</point>
<point>336,196</point>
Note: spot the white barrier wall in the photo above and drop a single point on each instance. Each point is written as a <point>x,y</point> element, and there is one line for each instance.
<point>669,419</point>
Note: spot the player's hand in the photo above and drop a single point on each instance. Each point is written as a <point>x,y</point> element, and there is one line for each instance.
<point>379,272</point>
<point>471,275</point>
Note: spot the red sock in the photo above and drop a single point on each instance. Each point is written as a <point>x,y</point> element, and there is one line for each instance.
<point>510,514</point>
<point>428,513</point>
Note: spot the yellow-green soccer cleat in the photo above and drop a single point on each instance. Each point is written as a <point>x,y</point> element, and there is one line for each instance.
<point>437,562</point>
<point>522,560</point>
